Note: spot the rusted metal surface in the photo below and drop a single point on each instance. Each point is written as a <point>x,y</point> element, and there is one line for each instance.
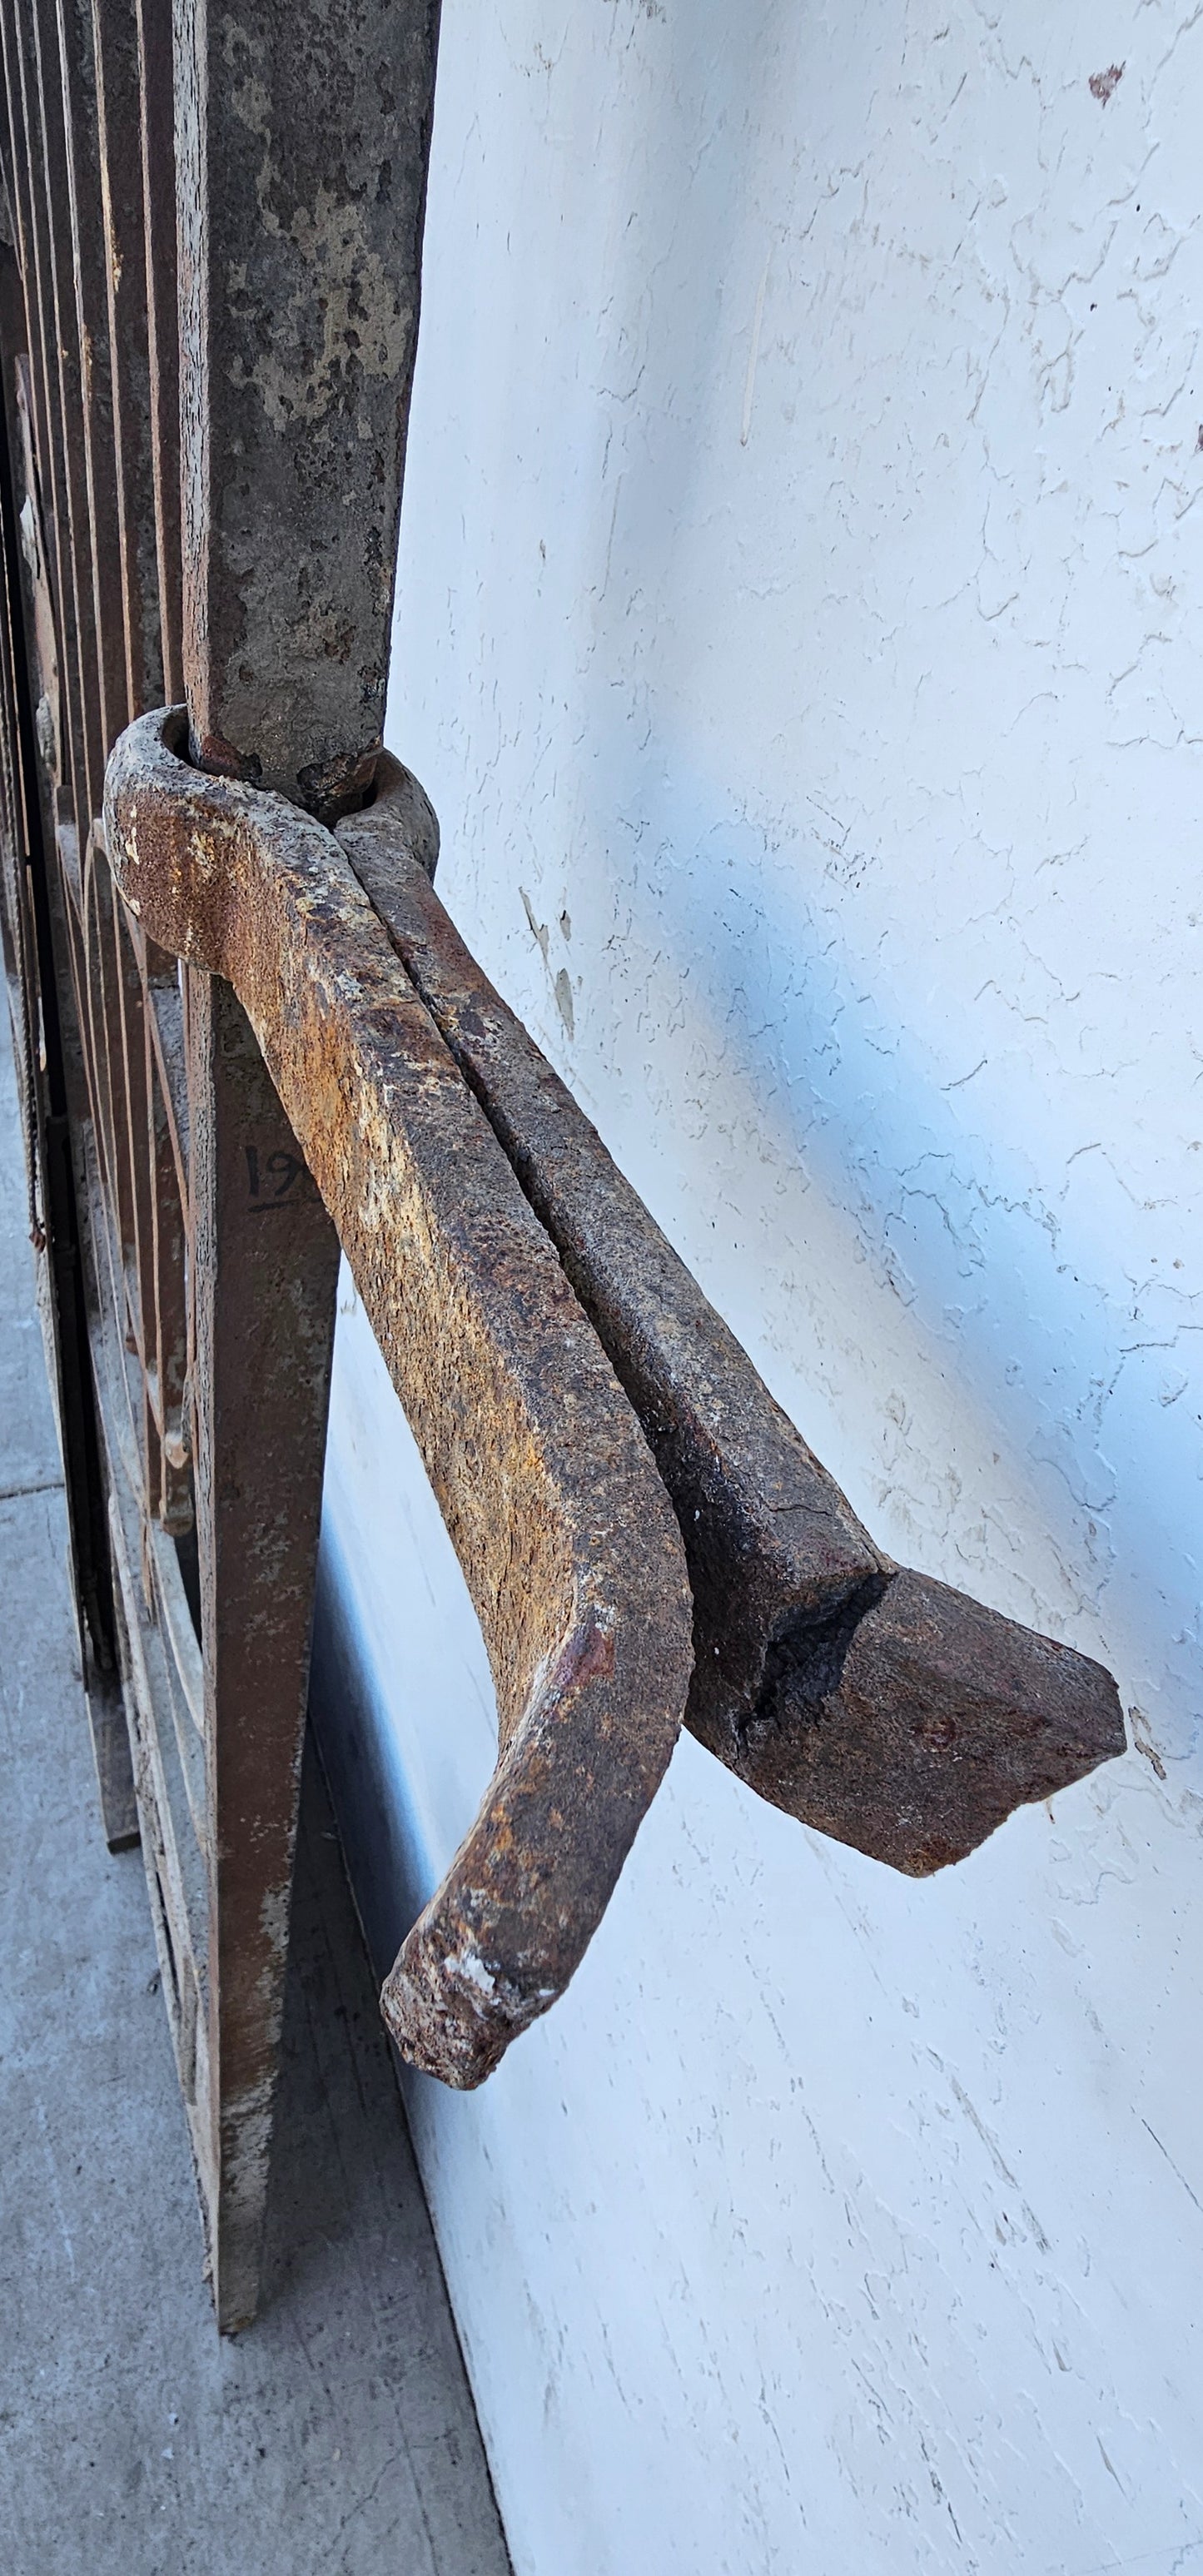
<point>78,233</point>
<point>35,950</point>
<point>89,650</point>
<point>260,1254</point>
<point>75,754</point>
<point>880,1706</point>
<point>156,134</point>
<point>120,190</point>
<point>563,1529</point>
<point>302,137</point>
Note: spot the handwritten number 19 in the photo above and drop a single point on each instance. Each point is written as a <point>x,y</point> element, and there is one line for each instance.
<point>270,1182</point>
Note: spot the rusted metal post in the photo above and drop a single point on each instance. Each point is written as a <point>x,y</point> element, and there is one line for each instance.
<point>265,1259</point>
<point>122,174</point>
<point>38,928</point>
<point>156,134</point>
<point>301,139</point>
<point>39,168</point>
<point>69,67</point>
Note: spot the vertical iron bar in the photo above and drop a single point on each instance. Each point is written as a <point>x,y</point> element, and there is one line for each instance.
<point>48,159</point>
<point>302,142</point>
<point>74,1392</point>
<point>33,253</point>
<point>302,136</point>
<point>81,229</point>
<point>118,120</point>
<point>156,133</point>
<point>263,1319</point>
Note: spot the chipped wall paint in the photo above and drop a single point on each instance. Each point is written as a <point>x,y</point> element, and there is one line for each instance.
<point>798,636</point>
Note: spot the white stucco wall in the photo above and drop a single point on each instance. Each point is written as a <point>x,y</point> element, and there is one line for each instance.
<point>799,624</point>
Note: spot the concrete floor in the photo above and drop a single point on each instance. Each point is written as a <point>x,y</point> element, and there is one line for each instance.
<point>338,2434</point>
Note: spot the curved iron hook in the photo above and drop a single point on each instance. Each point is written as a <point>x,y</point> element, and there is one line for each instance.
<point>561,1524</point>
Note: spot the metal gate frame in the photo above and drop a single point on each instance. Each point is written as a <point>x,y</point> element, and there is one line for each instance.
<point>250,1035</point>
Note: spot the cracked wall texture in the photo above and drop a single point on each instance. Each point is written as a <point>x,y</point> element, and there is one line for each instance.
<point>798,633</point>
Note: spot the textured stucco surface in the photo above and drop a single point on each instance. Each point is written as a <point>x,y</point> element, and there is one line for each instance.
<point>798,634</point>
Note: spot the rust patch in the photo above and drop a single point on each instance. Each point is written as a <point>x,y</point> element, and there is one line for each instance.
<point>302,138</point>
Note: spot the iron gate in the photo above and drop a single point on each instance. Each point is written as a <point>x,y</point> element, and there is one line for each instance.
<point>248,1035</point>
